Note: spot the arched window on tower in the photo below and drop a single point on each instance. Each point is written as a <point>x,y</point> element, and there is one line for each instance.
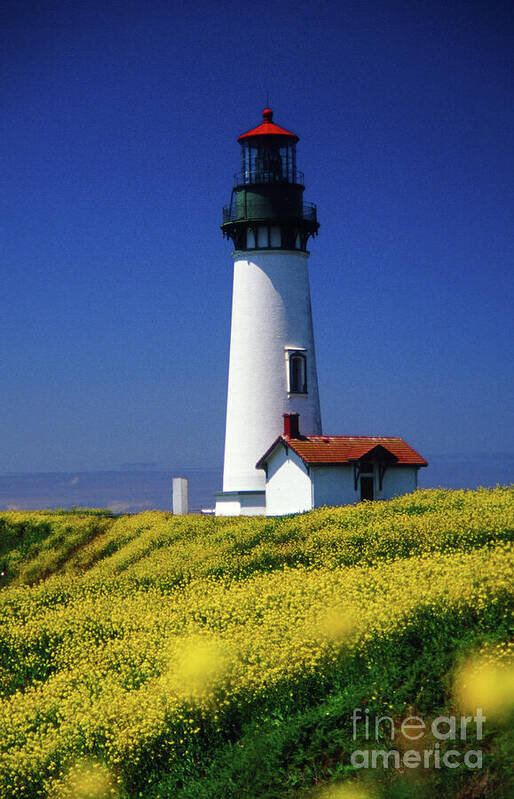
<point>297,373</point>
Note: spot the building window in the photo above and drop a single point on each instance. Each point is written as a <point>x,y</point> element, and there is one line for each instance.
<point>297,373</point>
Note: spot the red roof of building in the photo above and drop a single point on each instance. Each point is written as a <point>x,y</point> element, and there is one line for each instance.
<point>331,450</point>
<point>267,128</point>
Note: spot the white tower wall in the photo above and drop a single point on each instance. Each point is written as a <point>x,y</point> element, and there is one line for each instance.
<point>271,316</point>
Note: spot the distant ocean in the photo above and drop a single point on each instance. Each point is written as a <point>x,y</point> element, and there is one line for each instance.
<point>131,491</point>
<point>123,491</point>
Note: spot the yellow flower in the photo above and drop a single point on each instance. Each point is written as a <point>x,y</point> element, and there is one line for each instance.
<point>486,681</point>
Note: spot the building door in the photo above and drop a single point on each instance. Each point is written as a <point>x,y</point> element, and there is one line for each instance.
<point>366,488</point>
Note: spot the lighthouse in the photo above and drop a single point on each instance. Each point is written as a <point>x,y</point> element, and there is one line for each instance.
<point>272,367</point>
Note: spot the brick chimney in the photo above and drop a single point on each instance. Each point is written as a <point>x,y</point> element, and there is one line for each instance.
<point>291,425</point>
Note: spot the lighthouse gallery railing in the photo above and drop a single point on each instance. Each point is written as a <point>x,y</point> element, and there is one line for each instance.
<point>306,211</point>
<point>284,175</point>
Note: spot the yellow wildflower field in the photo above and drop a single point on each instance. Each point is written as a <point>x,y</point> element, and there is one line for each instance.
<point>156,656</point>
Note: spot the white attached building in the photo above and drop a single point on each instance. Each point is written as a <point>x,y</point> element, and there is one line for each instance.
<point>306,472</point>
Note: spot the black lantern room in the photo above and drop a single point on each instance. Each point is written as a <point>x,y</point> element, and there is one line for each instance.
<point>266,208</point>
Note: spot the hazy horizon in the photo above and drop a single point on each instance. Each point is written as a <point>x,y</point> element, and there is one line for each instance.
<point>129,489</point>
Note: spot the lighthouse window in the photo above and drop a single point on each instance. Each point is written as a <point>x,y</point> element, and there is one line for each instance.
<point>275,239</point>
<point>262,237</point>
<point>297,373</point>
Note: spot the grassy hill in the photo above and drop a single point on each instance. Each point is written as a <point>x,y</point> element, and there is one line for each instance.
<point>200,658</point>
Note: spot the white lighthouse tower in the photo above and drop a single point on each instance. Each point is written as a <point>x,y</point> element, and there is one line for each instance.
<point>272,367</point>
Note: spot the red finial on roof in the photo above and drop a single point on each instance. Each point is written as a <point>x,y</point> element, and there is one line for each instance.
<point>267,115</point>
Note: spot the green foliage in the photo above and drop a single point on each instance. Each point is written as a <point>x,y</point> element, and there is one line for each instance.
<point>201,658</point>
<point>36,545</point>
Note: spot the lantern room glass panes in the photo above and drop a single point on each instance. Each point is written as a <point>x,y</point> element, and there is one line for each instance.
<point>267,162</point>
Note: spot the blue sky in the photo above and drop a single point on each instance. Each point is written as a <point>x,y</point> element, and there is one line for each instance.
<point>118,126</point>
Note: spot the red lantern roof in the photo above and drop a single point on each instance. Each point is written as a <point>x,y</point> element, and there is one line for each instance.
<point>267,128</point>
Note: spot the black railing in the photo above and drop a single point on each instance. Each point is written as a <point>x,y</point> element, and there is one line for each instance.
<point>247,176</point>
<point>307,211</point>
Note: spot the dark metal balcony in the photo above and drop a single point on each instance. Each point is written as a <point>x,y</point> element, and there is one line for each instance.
<point>306,212</point>
<point>256,176</point>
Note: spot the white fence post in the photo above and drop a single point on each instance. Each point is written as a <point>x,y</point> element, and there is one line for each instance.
<point>180,491</point>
